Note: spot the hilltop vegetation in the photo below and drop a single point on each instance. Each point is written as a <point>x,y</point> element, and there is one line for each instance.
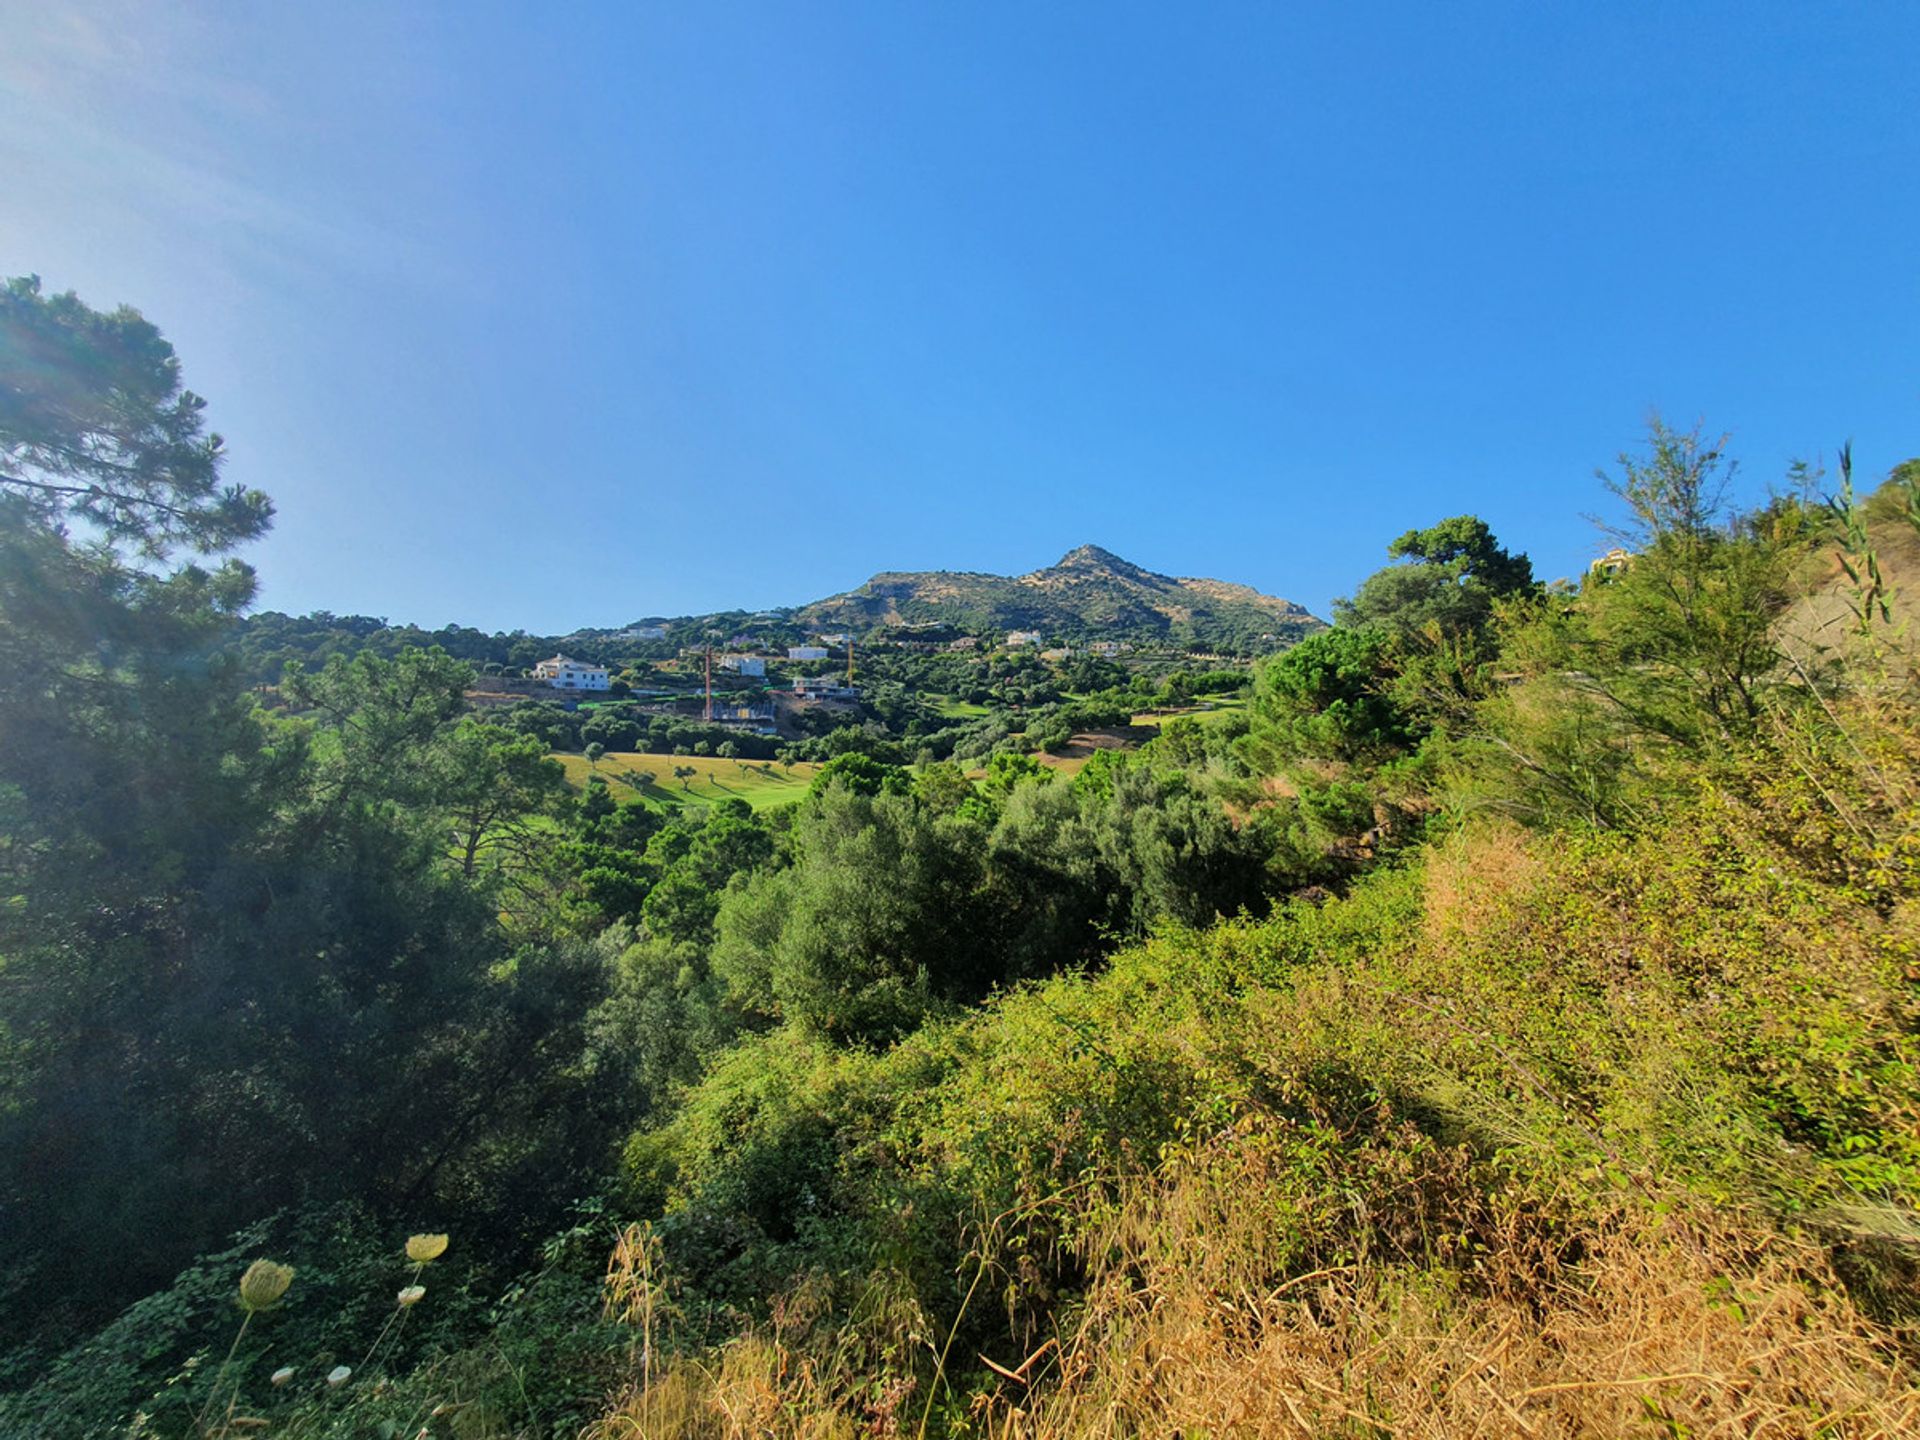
<point>1089,594</point>
<point>1498,1018</point>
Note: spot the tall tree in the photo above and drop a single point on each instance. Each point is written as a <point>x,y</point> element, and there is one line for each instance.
<point>97,431</point>
<point>1451,576</point>
<point>240,966</point>
<point>129,762</point>
<point>1682,640</point>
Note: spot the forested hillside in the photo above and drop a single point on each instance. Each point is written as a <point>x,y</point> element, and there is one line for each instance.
<point>1495,1014</point>
<point>1090,596</point>
<point>1090,593</point>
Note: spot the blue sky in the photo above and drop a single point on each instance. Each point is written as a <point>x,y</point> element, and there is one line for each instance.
<point>548,316</point>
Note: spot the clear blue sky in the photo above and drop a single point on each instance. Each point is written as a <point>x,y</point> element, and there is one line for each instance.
<point>552,315</point>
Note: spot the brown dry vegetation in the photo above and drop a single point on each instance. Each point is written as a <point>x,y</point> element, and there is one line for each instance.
<point>1820,622</point>
<point>1683,1325</point>
<point>1687,1325</point>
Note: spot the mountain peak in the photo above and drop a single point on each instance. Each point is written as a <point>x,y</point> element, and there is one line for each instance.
<point>1093,557</point>
<point>1091,594</point>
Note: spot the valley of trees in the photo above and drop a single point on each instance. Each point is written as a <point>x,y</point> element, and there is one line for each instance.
<point>1505,1022</point>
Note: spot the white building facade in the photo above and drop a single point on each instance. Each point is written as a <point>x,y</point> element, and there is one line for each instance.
<point>563,673</point>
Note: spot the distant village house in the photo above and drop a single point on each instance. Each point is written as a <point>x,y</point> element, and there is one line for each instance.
<point>744,664</point>
<point>806,652</point>
<point>1018,638</point>
<point>566,674</point>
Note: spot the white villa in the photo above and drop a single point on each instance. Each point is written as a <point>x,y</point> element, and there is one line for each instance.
<point>744,664</point>
<point>1017,638</point>
<point>563,673</point>
<point>806,652</point>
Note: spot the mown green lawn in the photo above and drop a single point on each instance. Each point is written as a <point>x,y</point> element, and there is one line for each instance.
<point>948,708</point>
<point>1211,713</point>
<point>761,783</point>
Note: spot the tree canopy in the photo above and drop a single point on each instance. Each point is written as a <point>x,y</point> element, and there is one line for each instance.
<point>1455,571</point>
<point>96,429</point>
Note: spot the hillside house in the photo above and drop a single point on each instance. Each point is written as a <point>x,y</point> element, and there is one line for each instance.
<point>806,652</point>
<point>751,665</point>
<point>563,673</point>
<point>1019,638</point>
<point>1611,563</point>
<point>824,687</point>
<point>1108,649</point>
<point>648,632</point>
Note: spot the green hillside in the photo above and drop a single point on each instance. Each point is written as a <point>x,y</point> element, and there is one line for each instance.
<point>1091,594</point>
<point>1495,1014</point>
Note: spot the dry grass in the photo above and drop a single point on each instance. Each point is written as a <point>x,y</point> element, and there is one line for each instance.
<point>1229,1294</point>
<point>755,1387</point>
<point>1677,1326</point>
<point>1821,625</point>
<point>1469,887</point>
